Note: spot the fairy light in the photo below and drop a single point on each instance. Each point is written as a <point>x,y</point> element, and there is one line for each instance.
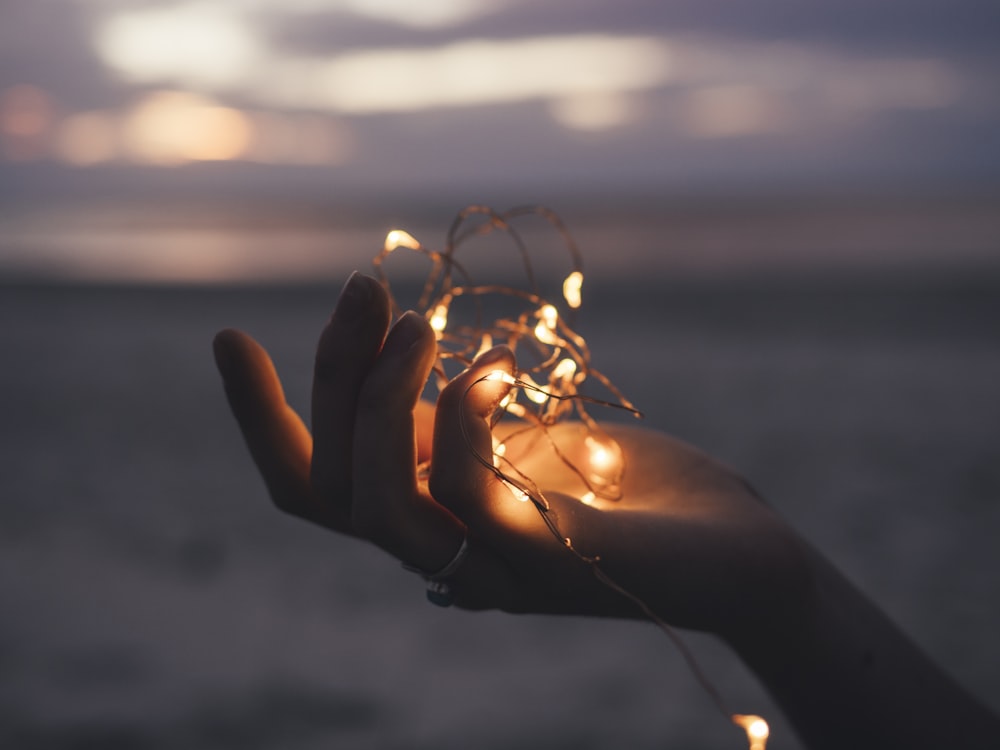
<point>518,493</point>
<point>398,238</point>
<point>502,376</point>
<point>571,289</point>
<point>756,728</point>
<point>545,331</point>
<point>600,456</point>
<point>558,364</point>
<point>439,319</point>
<point>532,390</point>
<point>565,369</point>
<point>485,345</point>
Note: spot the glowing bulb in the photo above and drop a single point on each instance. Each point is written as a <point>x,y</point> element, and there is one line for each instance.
<point>516,409</point>
<point>571,289</point>
<point>544,331</point>
<point>485,345</point>
<point>517,492</point>
<point>600,457</point>
<point>534,392</point>
<point>549,316</point>
<point>756,729</point>
<point>587,498</point>
<point>439,319</point>
<point>506,377</point>
<point>565,369</point>
<point>499,449</point>
<point>399,238</point>
<point>605,467</point>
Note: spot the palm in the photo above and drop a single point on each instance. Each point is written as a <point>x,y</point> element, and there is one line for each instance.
<point>688,536</point>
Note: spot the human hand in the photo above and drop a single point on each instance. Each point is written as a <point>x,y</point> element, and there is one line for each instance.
<point>689,537</point>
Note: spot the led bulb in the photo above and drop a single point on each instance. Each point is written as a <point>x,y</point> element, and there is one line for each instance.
<point>571,289</point>
<point>485,344</point>
<point>533,391</point>
<point>399,238</point>
<point>545,330</point>
<point>565,369</point>
<point>756,729</point>
<point>605,466</point>
<point>517,492</point>
<point>439,319</point>
<point>505,377</point>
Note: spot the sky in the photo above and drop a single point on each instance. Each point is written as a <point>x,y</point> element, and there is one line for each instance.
<point>454,94</point>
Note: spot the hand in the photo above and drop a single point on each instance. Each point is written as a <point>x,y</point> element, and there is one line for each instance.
<point>689,537</point>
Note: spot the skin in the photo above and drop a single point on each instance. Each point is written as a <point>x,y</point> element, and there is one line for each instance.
<point>690,537</point>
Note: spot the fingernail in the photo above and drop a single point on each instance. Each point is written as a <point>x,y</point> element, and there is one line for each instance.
<point>353,297</point>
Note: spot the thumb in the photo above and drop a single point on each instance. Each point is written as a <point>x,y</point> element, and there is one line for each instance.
<point>462,476</point>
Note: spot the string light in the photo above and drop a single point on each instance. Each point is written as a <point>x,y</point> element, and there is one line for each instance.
<point>756,729</point>
<point>554,361</point>
<point>558,358</point>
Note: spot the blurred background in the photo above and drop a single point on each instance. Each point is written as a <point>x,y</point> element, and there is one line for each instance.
<point>789,218</point>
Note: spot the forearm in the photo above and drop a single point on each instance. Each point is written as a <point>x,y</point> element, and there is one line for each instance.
<point>847,677</point>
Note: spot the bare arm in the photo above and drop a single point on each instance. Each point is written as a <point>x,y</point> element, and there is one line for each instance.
<point>846,676</point>
<point>690,537</point>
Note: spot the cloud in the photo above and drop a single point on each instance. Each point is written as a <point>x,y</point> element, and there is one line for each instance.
<point>467,73</point>
<point>199,44</point>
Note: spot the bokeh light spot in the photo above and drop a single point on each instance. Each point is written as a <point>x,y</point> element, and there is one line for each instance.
<point>174,127</point>
<point>87,138</point>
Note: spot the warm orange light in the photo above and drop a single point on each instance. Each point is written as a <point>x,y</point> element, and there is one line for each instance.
<point>399,238</point>
<point>571,289</point>
<point>548,390</point>
<point>534,392</point>
<point>565,369</point>
<point>439,319</point>
<point>174,127</point>
<point>506,377</point>
<point>545,330</point>
<point>517,492</point>
<point>484,345</point>
<point>515,409</point>
<point>225,134</point>
<point>605,466</point>
<point>499,449</point>
<point>756,729</point>
<point>600,457</point>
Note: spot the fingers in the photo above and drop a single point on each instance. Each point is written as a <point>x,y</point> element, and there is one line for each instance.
<point>388,507</point>
<point>347,349</point>
<point>278,441</point>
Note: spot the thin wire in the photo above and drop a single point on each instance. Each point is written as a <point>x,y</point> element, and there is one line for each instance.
<point>544,509</point>
<point>462,343</point>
